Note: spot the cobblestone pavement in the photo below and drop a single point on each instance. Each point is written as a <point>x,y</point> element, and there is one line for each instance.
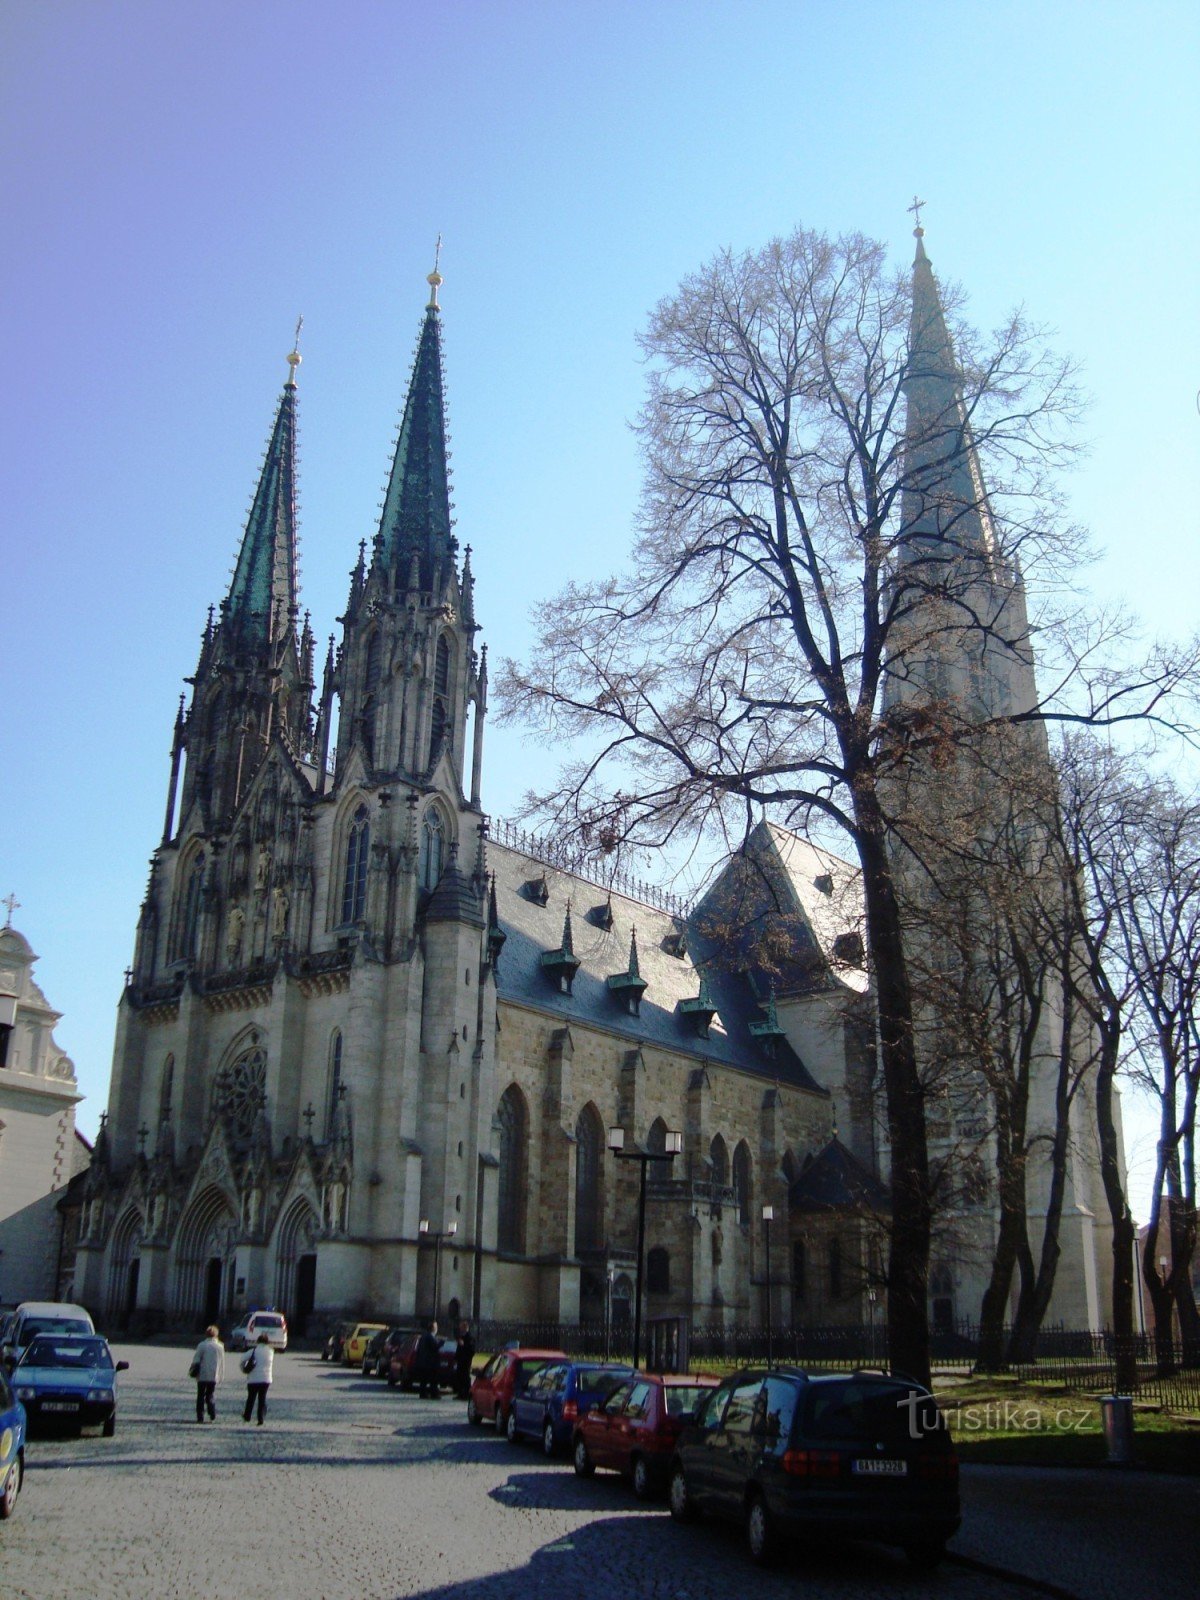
<point>358,1491</point>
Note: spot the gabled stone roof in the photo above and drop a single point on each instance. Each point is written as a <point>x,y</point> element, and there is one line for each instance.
<point>836,1180</point>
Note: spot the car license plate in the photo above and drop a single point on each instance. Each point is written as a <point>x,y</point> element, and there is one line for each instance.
<point>886,1468</point>
<point>60,1405</point>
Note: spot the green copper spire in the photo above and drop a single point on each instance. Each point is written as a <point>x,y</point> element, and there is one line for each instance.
<point>416,510</point>
<point>262,597</point>
<point>945,505</point>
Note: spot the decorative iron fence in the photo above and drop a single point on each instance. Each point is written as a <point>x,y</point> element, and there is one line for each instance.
<point>1074,1359</point>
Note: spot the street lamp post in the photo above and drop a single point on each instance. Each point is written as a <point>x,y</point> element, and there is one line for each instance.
<point>437,1235</point>
<point>768,1216</point>
<point>672,1146</point>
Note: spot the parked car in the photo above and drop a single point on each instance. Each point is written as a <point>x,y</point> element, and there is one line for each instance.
<point>69,1380</point>
<point>378,1355</point>
<point>402,1361</point>
<point>505,1374</point>
<point>42,1316</point>
<point>551,1403</point>
<point>335,1341</point>
<point>358,1339</point>
<point>12,1448</point>
<point>637,1427</point>
<point>858,1454</point>
<point>247,1332</point>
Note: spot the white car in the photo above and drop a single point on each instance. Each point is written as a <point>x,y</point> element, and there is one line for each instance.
<point>272,1323</point>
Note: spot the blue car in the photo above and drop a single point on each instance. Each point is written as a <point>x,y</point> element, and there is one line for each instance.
<point>69,1380</point>
<point>12,1448</point>
<point>557,1396</point>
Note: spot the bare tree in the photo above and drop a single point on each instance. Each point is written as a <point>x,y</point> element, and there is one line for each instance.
<point>819,565</point>
<point>1151,874</point>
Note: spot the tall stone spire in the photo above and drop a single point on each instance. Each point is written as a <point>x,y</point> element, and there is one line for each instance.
<point>416,510</point>
<point>945,509</point>
<point>262,602</point>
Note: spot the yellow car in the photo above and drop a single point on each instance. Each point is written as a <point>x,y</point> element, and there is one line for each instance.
<point>357,1340</point>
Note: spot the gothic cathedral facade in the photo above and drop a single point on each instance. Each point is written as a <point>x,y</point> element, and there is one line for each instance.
<point>371,1045</point>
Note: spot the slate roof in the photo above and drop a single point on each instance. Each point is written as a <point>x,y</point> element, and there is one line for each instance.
<point>532,928</point>
<point>836,1180</point>
<point>829,893</point>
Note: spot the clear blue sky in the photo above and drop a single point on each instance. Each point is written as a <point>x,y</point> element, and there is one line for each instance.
<point>178,181</point>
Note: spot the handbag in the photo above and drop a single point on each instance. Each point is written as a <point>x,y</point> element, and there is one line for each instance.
<point>248,1363</point>
<point>194,1370</point>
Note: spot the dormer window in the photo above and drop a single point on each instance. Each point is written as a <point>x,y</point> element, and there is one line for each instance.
<point>538,890</point>
<point>848,949</point>
<point>823,883</point>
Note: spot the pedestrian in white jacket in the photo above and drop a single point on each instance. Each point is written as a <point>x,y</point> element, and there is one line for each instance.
<point>258,1367</point>
<point>208,1368</point>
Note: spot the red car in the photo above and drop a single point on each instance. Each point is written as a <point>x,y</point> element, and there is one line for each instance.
<point>636,1429</point>
<point>506,1373</point>
<point>402,1362</point>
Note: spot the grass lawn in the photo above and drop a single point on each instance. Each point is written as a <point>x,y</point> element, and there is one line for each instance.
<point>1007,1422</point>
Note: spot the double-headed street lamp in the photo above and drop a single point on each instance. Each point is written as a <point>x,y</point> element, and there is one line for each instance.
<point>672,1146</point>
<point>768,1217</point>
<point>437,1236</point>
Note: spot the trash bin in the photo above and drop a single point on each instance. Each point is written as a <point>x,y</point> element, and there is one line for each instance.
<point>1116,1411</point>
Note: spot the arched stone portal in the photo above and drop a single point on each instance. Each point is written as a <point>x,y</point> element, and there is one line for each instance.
<point>296,1261</point>
<point>123,1268</point>
<point>208,1238</point>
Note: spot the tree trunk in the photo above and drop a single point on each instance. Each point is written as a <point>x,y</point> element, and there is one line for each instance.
<point>911,1220</point>
<point>1037,1288</point>
<point>1124,1234</point>
<point>1011,1111</point>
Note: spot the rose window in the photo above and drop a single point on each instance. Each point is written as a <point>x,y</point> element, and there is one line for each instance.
<point>239,1091</point>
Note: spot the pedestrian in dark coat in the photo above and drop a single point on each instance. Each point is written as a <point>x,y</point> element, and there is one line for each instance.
<point>208,1368</point>
<point>428,1354</point>
<point>463,1357</point>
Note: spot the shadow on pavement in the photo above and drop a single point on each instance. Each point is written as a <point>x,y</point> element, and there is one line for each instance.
<point>636,1556</point>
<point>563,1491</point>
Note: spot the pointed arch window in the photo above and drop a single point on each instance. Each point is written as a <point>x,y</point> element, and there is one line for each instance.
<point>589,1142</point>
<point>799,1269</point>
<point>440,717</point>
<point>193,897</point>
<point>432,855</point>
<point>166,1088</point>
<point>741,1180</point>
<point>656,1139</point>
<point>514,1147</point>
<point>335,1081</point>
<point>354,883</point>
<point>836,1285</point>
<point>658,1271</point>
<point>719,1158</point>
<point>370,702</point>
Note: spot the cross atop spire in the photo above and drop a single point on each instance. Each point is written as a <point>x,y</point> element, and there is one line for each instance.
<point>293,359</point>
<point>915,210</point>
<point>13,904</point>
<point>435,279</point>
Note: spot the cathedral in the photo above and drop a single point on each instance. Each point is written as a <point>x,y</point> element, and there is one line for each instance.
<point>373,1044</point>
